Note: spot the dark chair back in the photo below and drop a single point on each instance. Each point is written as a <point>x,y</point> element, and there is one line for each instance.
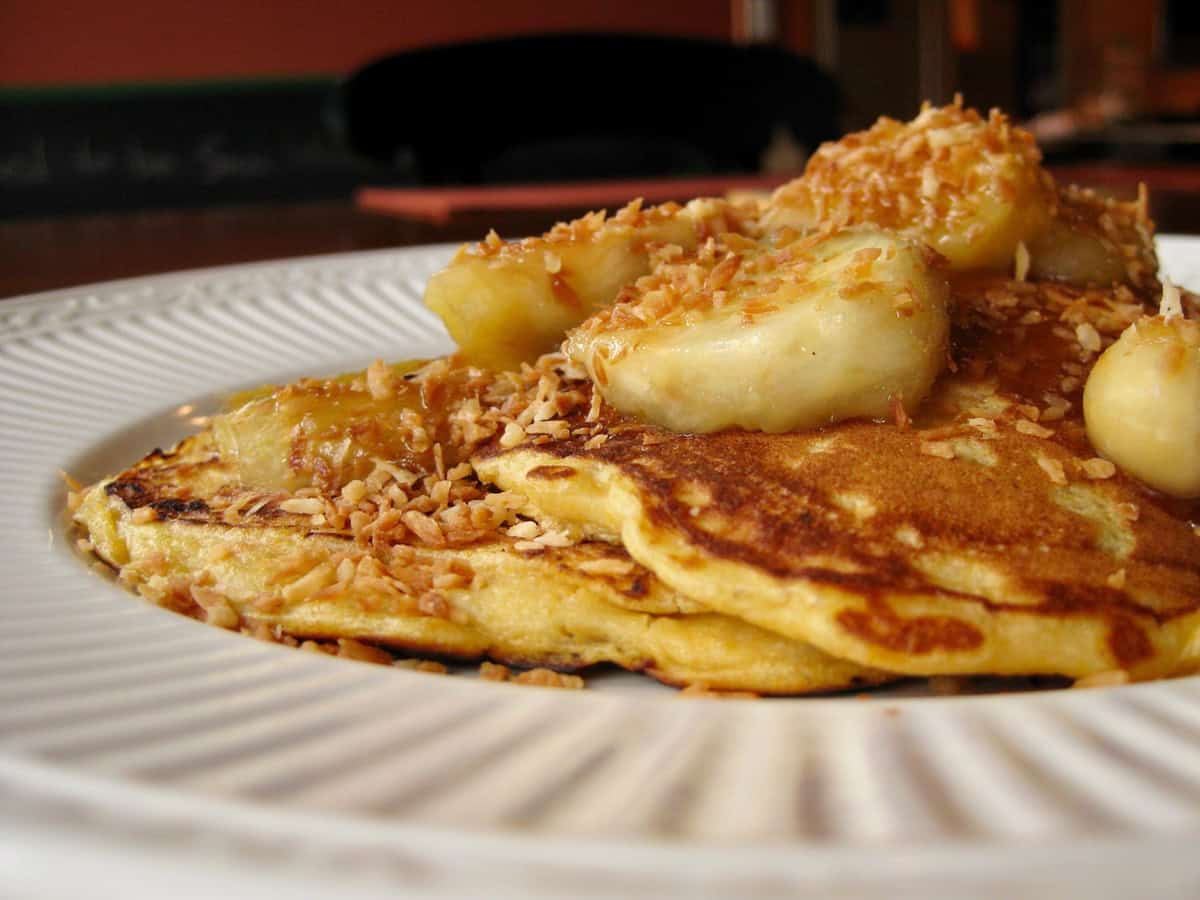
<point>580,106</point>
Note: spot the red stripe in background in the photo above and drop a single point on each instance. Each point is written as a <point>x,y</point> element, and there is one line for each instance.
<point>437,205</point>
<point>82,42</point>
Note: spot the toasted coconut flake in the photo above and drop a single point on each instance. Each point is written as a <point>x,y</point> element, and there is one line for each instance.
<point>506,500</point>
<point>1053,469</point>
<point>379,380</point>
<point>354,491</point>
<point>450,580</point>
<point>460,471</point>
<point>513,435</point>
<point>432,666</point>
<point>398,474</point>
<point>1088,337</point>
<point>434,604</point>
<point>986,427</point>
<point>1098,468</point>
<point>490,671</point>
<point>1171,305</point>
<point>216,606</point>
<point>1032,429</point>
<point>549,678</point>
<point>554,539</point>
<point>1116,579</point>
<point>317,578</point>
<point>348,648</point>
<point>1056,408</point>
<point>304,506</point>
<point>607,566</point>
<point>942,449</point>
<point>526,530</point>
<point>345,570</point>
<point>557,429</point>
<point>425,528</point>
<point>1021,262</point>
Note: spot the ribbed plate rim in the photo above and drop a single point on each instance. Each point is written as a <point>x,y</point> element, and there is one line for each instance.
<point>129,797</point>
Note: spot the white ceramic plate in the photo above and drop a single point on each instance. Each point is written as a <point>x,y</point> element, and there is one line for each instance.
<point>142,753</point>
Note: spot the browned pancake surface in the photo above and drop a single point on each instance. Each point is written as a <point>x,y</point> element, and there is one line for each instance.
<point>988,501</point>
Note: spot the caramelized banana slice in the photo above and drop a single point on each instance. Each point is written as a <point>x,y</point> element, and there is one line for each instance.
<point>327,432</point>
<point>1141,403</point>
<point>410,421</point>
<point>747,335</point>
<point>507,303</point>
<point>971,188</point>
<point>1096,240</point>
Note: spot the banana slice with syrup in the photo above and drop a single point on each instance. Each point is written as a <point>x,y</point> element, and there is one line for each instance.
<point>506,303</point>
<point>1141,402</point>
<point>776,335</point>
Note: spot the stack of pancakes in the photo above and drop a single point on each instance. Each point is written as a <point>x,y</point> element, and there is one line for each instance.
<point>454,510</point>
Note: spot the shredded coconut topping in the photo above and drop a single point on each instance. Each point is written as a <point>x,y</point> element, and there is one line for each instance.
<point>1172,304</point>
<point>1021,262</point>
<point>932,173</point>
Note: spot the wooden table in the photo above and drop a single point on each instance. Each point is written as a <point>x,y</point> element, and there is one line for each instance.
<point>38,255</point>
<point>42,254</point>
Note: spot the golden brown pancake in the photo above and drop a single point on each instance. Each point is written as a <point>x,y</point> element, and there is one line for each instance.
<point>978,533</point>
<point>165,525</point>
<point>981,536</point>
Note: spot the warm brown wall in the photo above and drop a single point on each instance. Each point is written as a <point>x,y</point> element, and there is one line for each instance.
<point>878,66</point>
<point>986,73</point>
<point>82,42</point>
<point>1111,45</point>
<point>1108,45</point>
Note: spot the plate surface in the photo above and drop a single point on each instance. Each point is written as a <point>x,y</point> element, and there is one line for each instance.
<point>147,752</point>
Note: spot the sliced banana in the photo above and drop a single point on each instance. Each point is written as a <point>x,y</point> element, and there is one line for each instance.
<point>1141,403</point>
<point>773,338</point>
<point>971,188</point>
<point>326,432</point>
<point>508,303</point>
<point>1096,240</point>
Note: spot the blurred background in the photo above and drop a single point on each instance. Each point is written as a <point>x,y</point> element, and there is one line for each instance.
<point>116,117</point>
